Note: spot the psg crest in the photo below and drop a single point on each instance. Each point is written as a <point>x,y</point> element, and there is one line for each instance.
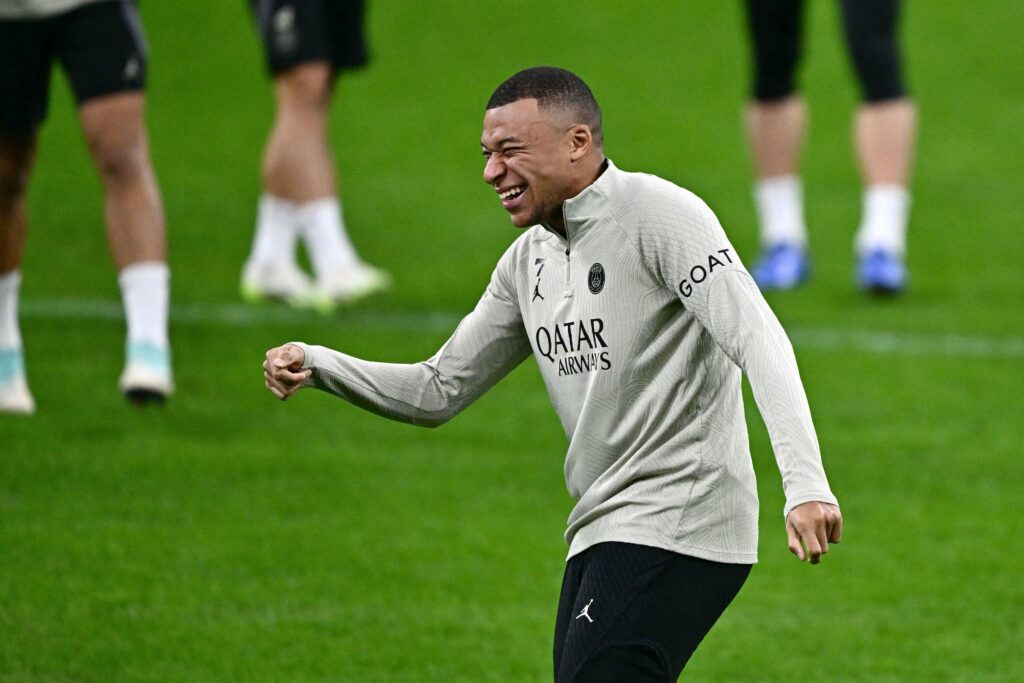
<point>596,278</point>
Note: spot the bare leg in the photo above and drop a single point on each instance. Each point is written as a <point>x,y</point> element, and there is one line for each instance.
<point>297,163</point>
<point>775,131</point>
<point>884,134</point>
<point>115,132</point>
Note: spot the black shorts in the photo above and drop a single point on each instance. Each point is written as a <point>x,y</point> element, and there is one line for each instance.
<point>635,613</point>
<point>299,31</point>
<point>100,46</point>
<point>870,26</point>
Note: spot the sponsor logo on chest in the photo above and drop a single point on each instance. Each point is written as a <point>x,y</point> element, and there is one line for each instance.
<point>577,346</point>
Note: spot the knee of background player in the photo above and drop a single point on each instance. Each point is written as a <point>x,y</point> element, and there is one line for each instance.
<point>634,662</point>
<point>306,85</point>
<point>115,136</point>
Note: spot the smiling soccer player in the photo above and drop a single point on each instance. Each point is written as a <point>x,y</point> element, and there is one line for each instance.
<point>641,318</point>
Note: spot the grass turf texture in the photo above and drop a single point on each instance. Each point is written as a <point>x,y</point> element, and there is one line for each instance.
<point>229,537</point>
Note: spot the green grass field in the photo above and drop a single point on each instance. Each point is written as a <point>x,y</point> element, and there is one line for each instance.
<point>230,537</point>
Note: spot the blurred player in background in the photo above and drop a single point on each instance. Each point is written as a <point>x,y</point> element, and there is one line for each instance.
<point>640,316</point>
<point>308,42</point>
<point>884,133</point>
<point>100,46</point>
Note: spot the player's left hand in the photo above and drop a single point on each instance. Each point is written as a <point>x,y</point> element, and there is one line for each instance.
<point>810,527</point>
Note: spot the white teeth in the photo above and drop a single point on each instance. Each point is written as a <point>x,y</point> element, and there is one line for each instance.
<point>515,191</point>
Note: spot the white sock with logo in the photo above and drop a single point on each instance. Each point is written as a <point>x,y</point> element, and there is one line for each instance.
<point>145,290</point>
<point>277,231</point>
<point>10,335</point>
<point>780,210</point>
<point>884,215</point>
<point>323,230</point>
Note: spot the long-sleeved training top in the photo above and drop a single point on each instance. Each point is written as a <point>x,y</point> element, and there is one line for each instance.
<point>38,9</point>
<point>640,320</point>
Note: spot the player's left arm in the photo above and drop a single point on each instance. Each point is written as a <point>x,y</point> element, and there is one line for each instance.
<point>689,251</point>
<point>740,321</point>
<point>748,331</point>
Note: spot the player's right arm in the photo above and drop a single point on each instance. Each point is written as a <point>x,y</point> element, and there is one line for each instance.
<point>486,346</point>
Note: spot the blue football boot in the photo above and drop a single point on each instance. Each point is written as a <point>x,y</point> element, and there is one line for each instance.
<point>782,266</point>
<point>881,272</point>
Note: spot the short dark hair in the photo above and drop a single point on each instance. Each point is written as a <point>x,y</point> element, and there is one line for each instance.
<point>552,88</point>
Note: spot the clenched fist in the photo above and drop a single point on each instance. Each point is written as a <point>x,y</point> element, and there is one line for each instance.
<point>282,370</point>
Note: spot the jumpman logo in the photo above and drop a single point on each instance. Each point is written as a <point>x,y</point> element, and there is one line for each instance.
<point>586,611</point>
<point>536,287</point>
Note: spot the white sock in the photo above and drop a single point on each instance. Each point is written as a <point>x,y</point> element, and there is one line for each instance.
<point>884,215</point>
<point>277,231</point>
<point>323,230</point>
<point>10,335</point>
<point>780,210</point>
<point>145,289</point>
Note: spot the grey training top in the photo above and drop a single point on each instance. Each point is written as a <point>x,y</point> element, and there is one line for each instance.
<point>640,322</point>
<point>38,9</point>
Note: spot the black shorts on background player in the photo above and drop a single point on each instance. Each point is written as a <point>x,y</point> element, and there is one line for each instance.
<point>776,27</point>
<point>636,613</point>
<point>100,46</point>
<point>299,31</point>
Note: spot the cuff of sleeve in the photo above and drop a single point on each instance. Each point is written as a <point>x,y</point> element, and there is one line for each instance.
<point>810,497</point>
<point>308,362</point>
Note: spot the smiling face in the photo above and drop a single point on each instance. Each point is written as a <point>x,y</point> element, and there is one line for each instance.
<point>536,159</point>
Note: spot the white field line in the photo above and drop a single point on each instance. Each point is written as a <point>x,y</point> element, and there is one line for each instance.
<point>906,343</point>
<point>241,315</point>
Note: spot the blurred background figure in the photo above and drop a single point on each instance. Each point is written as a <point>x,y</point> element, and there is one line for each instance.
<point>884,132</point>
<point>307,43</point>
<point>99,44</point>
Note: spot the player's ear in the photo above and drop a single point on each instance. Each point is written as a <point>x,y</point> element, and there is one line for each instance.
<point>581,141</point>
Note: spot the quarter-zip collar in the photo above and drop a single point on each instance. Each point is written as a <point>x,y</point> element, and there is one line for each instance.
<point>581,212</point>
